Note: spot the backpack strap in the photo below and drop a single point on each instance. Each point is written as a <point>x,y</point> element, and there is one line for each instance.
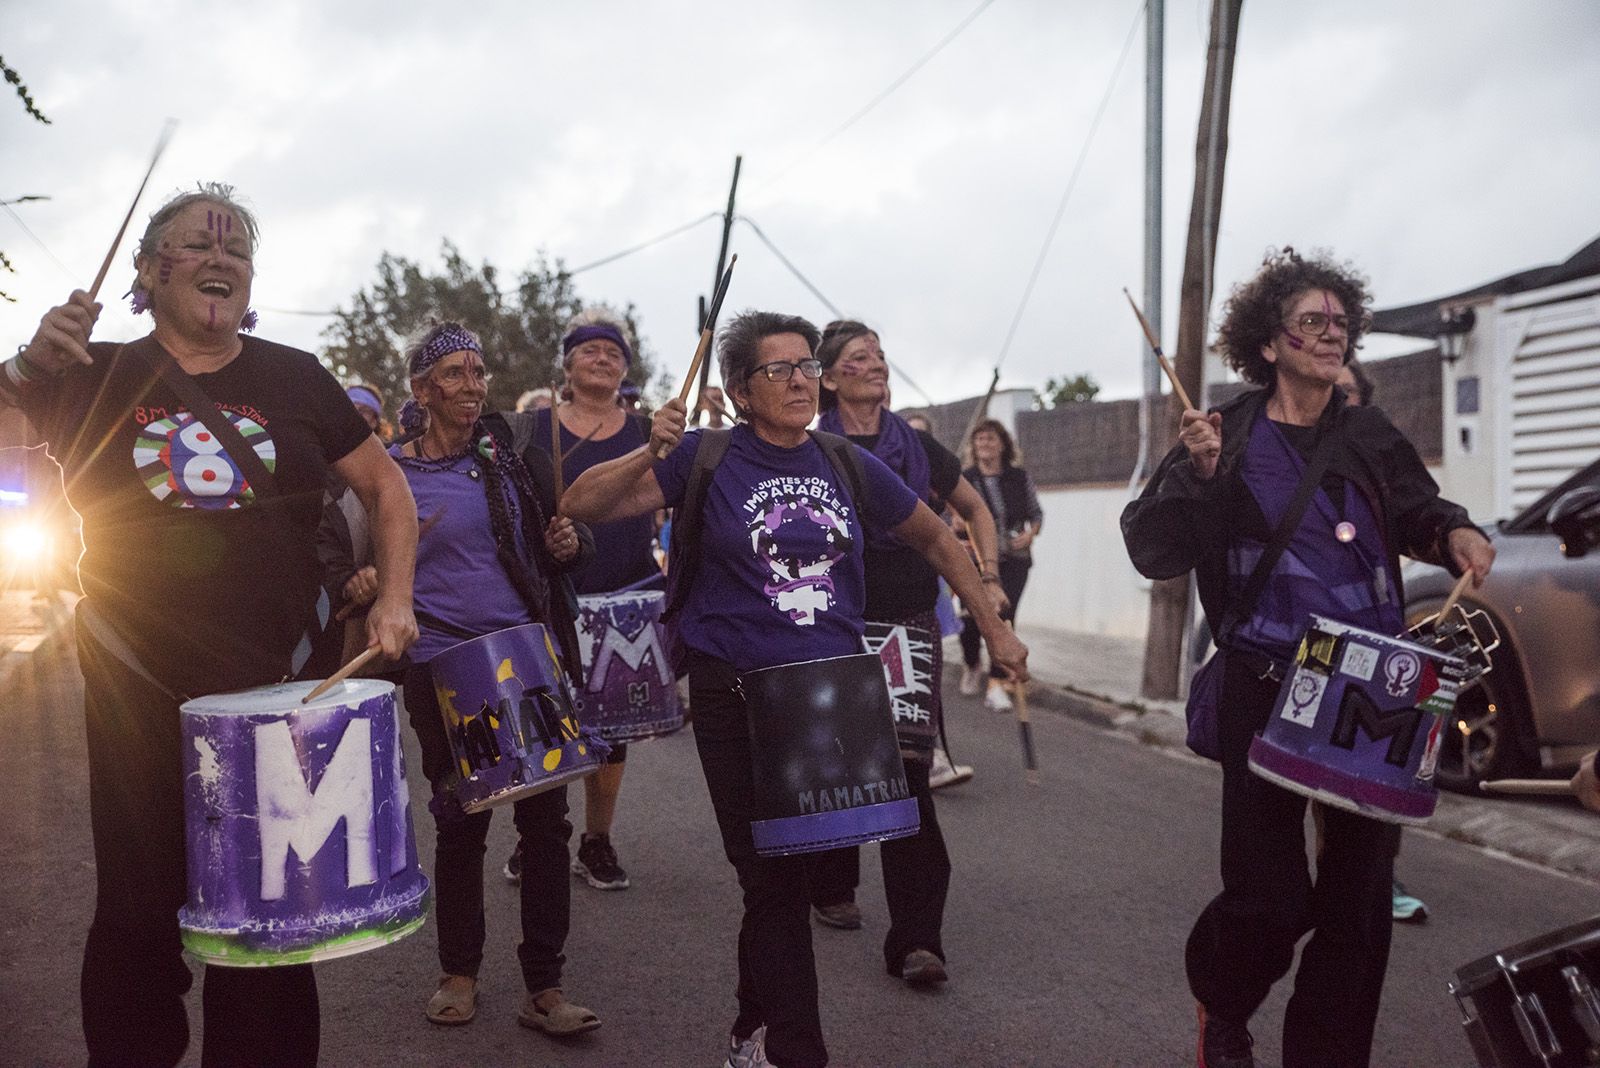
<point>683,558</point>
<point>841,453</point>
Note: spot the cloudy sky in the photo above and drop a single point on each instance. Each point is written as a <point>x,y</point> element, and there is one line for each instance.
<point>1437,143</point>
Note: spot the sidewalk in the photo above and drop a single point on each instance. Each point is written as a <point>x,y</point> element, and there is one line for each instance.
<point>1096,678</point>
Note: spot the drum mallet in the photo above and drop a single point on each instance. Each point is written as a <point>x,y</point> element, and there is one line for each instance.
<point>1529,787</point>
<point>111,253</point>
<point>704,346</point>
<point>356,664</point>
<point>1019,696</point>
<point>1155,346</point>
<point>1455,594</point>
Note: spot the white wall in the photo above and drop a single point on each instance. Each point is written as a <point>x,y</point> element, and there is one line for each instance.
<point>1081,578</point>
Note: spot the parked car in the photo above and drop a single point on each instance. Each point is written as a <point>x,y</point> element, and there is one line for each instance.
<point>1538,710</point>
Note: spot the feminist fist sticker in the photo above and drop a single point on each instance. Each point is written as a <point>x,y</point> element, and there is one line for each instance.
<point>183,463</point>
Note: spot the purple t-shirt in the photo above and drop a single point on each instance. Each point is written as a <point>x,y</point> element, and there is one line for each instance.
<point>780,577</point>
<point>622,553</point>
<point>459,575</point>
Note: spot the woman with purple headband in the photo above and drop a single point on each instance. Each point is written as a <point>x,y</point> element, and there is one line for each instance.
<point>492,554</point>
<point>903,591</point>
<point>596,356</point>
<point>197,582</point>
<point>777,579</point>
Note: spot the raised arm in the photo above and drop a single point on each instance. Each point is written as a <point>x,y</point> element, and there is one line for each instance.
<point>924,532</point>
<point>627,486</point>
<point>61,341</point>
<point>381,486</point>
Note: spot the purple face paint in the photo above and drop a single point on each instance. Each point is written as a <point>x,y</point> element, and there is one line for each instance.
<point>165,274</point>
<point>212,321</point>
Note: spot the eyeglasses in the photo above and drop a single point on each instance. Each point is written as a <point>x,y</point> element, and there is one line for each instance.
<point>1315,324</point>
<point>783,370</point>
<point>455,376</point>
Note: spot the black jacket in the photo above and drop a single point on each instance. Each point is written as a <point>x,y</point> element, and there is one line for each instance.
<point>1180,522</point>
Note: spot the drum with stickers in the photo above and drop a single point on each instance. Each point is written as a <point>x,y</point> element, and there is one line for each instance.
<point>1356,723</point>
<point>906,653</point>
<point>629,693</point>
<point>299,837</point>
<point>827,768</point>
<point>1536,1003</point>
<point>510,719</point>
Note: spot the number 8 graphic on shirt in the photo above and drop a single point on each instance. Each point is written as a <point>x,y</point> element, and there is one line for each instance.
<point>182,463</point>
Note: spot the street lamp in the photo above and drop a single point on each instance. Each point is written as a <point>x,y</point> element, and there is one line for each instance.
<point>1454,326</point>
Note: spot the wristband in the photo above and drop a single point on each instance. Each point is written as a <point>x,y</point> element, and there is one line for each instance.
<point>989,576</point>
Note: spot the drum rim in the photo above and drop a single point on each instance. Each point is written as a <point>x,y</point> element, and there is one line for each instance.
<point>347,693</point>
<point>820,660</point>
<point>1405,643</point>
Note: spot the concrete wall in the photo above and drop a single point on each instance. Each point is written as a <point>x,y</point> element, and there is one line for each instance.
<point>1081,578</point>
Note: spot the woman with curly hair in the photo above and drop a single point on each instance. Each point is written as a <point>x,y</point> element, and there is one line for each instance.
<point>1212,507</point>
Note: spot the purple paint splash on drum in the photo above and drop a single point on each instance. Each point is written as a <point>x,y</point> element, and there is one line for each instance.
<point>299,838</point>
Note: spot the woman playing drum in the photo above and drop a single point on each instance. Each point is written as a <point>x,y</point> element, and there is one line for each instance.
<point>488,559</point>
<point>902,590</point>
<point>778,580</point>
<point>1212,506</point>
<point>200,578</point>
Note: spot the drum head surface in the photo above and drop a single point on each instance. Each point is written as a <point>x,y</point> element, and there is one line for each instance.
<point>285,697</point>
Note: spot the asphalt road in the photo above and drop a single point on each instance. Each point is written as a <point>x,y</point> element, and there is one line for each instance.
<point>1067,915</point>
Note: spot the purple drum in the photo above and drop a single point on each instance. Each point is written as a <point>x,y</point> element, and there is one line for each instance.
<point>826,766</point>
<point>631,693</point>
<point>300,845</point>
<point>1356,724</point>
<point>508,713</point>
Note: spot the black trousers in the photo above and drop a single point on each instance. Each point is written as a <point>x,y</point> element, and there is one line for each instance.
<point>546,898</point>
<point>916,879</point>
<point>134,976</point>
<point>1245,939</point>
<point>1013,578</point>
<point>777,971</point>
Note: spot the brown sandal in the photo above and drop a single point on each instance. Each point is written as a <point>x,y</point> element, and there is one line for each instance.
<point>562,1019</point>
<point>453,1003</point>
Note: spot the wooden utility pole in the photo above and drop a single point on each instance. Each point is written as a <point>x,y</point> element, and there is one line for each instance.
<point>1169,599</point>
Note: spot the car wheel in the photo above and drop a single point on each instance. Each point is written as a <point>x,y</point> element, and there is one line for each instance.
<point>1484,736</point>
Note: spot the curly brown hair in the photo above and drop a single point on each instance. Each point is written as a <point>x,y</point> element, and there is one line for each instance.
<point>1254,312</point>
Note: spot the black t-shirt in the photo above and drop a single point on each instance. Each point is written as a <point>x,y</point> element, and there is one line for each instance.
<point>900,581</point>
<point>211,584</point>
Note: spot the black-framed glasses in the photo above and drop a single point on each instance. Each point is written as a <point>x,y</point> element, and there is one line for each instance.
<point>1315,324</point>
<point>783,370</point>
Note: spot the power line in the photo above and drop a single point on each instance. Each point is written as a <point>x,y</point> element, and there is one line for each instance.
<point>46,248</point>
<point>1077,169</point>
<point>674,232</point>
<point>861,113</point>
<point>833,308</point>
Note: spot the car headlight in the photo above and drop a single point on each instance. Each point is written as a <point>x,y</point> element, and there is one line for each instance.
<point>26,542</point>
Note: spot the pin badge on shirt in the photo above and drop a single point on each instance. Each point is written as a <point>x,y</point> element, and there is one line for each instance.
<point>473,474</point>
<point>1345,532</point>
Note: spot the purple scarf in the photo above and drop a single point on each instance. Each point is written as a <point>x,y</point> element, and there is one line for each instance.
<point>900,450</point>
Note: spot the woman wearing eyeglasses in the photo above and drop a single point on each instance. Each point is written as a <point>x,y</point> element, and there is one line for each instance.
<point>1212,506</point>
<point>778,579</point>
<point>492,554</point>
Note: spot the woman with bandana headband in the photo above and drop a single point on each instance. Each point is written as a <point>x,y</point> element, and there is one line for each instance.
<point>778,579</point>
<point>197,582</point>
<point>492,554</point>
<point>596,356</point>
<point>902,588</point>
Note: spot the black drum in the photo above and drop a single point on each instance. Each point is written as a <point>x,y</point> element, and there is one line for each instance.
<point>1537,1003</point>
<point>826,764</point>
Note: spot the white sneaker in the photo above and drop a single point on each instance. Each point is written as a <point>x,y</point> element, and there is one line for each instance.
<point>997,698</point>
<point>751,1053</point>
<point>945,773</point>
<point>970,680</point>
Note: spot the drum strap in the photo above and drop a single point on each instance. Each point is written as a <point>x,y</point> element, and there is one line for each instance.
<point>1239,612</point>
<point>106,636</point>
<point>206,410</point>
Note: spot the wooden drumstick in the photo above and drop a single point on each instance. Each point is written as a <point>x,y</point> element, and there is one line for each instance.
<point>555,442</point>
<point>355,665</point>
<point>111,254</point>
<point>704,345</point>
<point>1155,345</point>
<point>1019,699</point>
<point>1455,593</point>
<point>1530,787</point>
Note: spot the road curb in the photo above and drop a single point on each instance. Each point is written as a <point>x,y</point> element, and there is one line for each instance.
<point>58,623</point>
<point>1557,837</point>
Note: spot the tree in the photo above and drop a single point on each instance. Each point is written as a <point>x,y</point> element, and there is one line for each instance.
<point>27,104</point>
<point>1075,390</point>
<point>521,329</point>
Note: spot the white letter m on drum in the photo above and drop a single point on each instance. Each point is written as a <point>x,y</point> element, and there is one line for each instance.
<point>292,815</point>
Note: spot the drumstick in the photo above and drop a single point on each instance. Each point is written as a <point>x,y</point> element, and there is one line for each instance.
<point>1532,787</point>
<point>1155,345</point>
<point>111,253</point>
<point>1019,696</point>
<point>355,665</point>
<point>555,442</point>
<point>1455,593</point>
<point>704,345</point>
